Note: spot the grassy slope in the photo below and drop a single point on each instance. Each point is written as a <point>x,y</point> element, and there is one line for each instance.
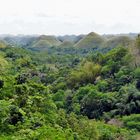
<point>66,44</point>
<point>45,41</point>
<point>119,41</point>
<point>92,40</point>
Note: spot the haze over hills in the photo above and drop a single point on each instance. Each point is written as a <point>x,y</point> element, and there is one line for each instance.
<point>70,38</point>
<point>91,40</point>
<point>43,42</point>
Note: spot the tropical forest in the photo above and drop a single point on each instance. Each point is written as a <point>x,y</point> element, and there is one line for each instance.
<point>73,87</point>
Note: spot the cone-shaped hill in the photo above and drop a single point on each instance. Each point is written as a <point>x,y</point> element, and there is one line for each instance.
<point>92,40</point>
<point>43,42</point>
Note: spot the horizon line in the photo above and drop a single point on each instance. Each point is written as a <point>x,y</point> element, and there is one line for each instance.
<point>38,34</point>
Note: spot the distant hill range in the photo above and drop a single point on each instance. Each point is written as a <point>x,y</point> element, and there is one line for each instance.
<point>91,40</point>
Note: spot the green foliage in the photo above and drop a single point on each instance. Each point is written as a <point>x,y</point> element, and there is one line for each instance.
<point>109,132</point>
<point>64,93</point>
<point>128,102</point>
<point>3,64</point>
<point>87,73</point>
<point>94,103</point>
<point>132,121</point>
<point>137,73</point>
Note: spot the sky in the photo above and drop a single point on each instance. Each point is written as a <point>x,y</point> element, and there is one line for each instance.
<point>60,17</point>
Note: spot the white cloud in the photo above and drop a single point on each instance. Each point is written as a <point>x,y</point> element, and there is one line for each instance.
<point>69,16</point>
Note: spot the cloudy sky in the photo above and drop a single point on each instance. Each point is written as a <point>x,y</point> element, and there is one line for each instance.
<point>61,17</point>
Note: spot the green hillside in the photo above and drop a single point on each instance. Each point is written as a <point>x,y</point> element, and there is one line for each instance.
<point>66,44</point>
<point>43,42</point>
<point>92,40</point>
<point>2,44</point>
<point>119,41</point>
